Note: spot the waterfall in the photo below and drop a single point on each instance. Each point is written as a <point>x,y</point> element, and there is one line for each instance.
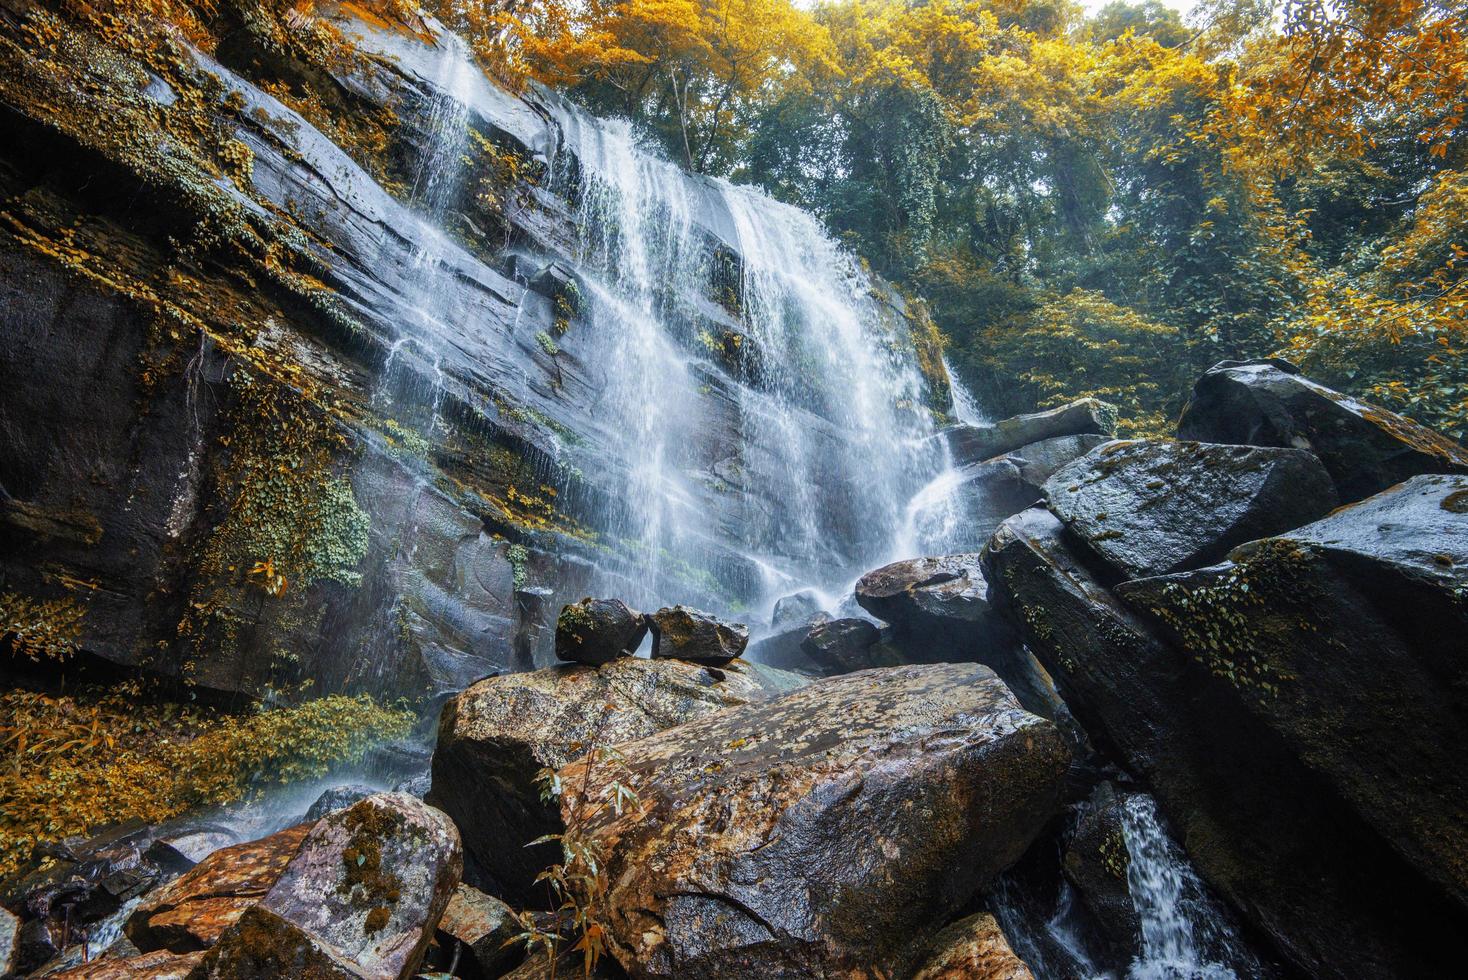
<point>965,406</point>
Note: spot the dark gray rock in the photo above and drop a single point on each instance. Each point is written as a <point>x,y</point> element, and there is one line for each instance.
<point>680,633</point>
<point>1096,862</point>
<point>1038,461</point>
<point>1149,507</point>
<point>975,443</point>
<point>940,604</point>
<point>598,631</point>
<point>1364,447</point>
<point>825,833</point>
<point>1345,629</point>
<point>844,645</point>
<point>495,738</point>
<point>1265,830</point>
<point>781,649</point>
<point>337,798</point>
<point>796,608</point>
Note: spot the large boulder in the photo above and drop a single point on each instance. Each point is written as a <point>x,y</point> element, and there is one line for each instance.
<point>941,600</point>
<point>796,608</point>
<point>360,899</point>
<point>1097,863</point>
<point>974,948</point>
<point>1262,827</point>
<point>9,942</point>
<point>781,648</point>
<point>680,633</point>
<point>974,443</point>
<point>845,645</point>
<point>1267,403</point>
<point>825,833</point>
<point>598,631</point>
<point>495,738</point>
<point>1149,506</point>
<point>193,911</point>
<point>1347,639</point>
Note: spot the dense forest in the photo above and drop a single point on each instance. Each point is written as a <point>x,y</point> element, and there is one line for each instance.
<point>1101,203</point>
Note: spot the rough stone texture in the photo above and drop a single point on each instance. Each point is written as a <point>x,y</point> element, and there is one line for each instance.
<point>1366,448</point>
<point>157,965</point>
<point>821,834</point>
<point>337,798</point>
<point>360,899</point>
<point>781,649</point>
<point>497,736</point>
<point>9,942</point>
<point>1267,832</point>
<point>1038,461</point>
<point>598,631</point>
<point>484,925</point>
<point>680,633</point>
<point>193,911</point>
<point>1347,638</point>
<point>974,948</point>
<point>942,600</point>
<point>1150,507</point>
<point>1096,862</point>
<point>844,645</point>
<point>974,443</point>
<point>794,609</point>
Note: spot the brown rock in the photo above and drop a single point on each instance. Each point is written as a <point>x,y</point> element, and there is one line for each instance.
<point>160,964</point>
<point>483,924</point>
<point>680,633</point>
<point>193,911</point>
<point>973,949</point>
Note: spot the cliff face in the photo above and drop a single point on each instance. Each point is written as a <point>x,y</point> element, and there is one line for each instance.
<point>302,387</point>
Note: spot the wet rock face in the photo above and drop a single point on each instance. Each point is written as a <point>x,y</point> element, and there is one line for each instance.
<point>918,594</point>
<point>482,926</point>
<point>845,645</point>
<point>821,834</point>
<point>192,912</point>
<point>975,443</point>
<point>974,948</point>
<point>794,609</point>
<point>1364,447</point>
<point>496,737</point>
<point>337,798</point>
<point>681,633</point>
<point>1344,630</point>
<point>598,631</point>
<point>360,899</point>
<point>1096,862</point>
<point>1150,507</point>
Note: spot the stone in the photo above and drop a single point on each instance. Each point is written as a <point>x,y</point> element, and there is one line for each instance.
<point>483,926</point>
<point>1364,447</point>
<point>825,833</point>
<point>337,798</point>
<point>974,948</point>
<point>844,645</point>
<point>938,606</point>
<point>157,965</point>
<point>1096,862</point>
<point>360,899</point>
<point>1038,461</point>
<point>680,633</point>
<point>193,911</point>
<point>974,443</point>
<point>1344,630</point>
<point>598,631</point>
<point>9,942</point>
<point>781,649</point>
<point>1149,507</point>
<point>1265,831</point>
<point>796,608</point>
<point>496,737</point>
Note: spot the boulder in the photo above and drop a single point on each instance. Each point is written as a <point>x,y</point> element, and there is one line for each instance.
<point>9,943</point>
<point>337,798</point>
<point>1346,639</point>
<point>781,650</point>
<point>943,601</point>
<point>482,926</point>
<point>157,965</point>
<point>796,608</point>
<point>824,833</point>
<point>1096,862</point>
<point>1364,447</point>
<point>496,737</point>
<point>360,899</point>
<point>1262,828</point>
<point>844,645</point>
<point>680,633</point>
<point>192,912</point>
<point>974,948</point>
<point>1149,506</point>
<point>974,443</point>
<point>598,631</point>
<point>1038,461</point>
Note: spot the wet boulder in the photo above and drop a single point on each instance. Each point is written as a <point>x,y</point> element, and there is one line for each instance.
<point>193,911</point>
<point>844,645</point>
<point>974,948</point>
<point>495,738</point>
<point>1149,506</point>
<point>1096,862</point>
<point>1364,447</point>
<point>481,926</point>
<point>1345,638</point>
<point>975,443</point>
<point>598,631</point>
<point>794,609</point>
<point>337,798</point>
<point>781,649</point>
<point>360,899</point>
<point>916,595</point>
<point>1263,828</point>
<point>824,833</point>
<point>681,633</point>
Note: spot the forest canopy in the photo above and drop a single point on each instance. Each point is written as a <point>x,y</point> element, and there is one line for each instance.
<point>1091,204</point>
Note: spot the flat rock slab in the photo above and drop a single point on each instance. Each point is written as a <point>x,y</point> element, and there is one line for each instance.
<point>1365,447</point>
<point>192,912</point>
<point>160,964</point>
<point>825,833</point>
<point>496,737</point>
<point>1149,507</point>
